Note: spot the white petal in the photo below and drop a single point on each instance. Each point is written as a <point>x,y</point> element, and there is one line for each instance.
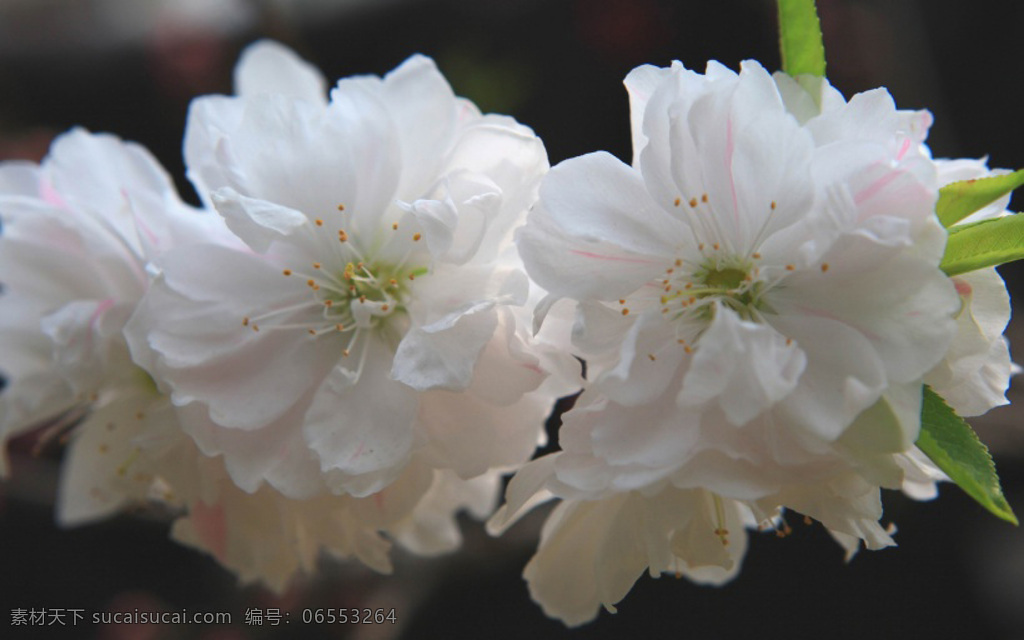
<point>844,375</point>
<point>747,367</point>
<point>248,378</point>
<point>597,198</point>
<point>589,556</point>
<point>257,222</point>
<point>91,174</point>
<point>269,67</point>
<point>276,453</point>
<point>525,491</point>
<point>649,358</point>
<point>636,444</point>
<point>641,82</point>
<point>432,528</point>
<point>499,166</point>
<point>974,375</point>
<point>577,268</point>
<point>102,472</point>
<point>886,296</point>
<point>425,112</point>
<point>444,357</point>
<point>363,429</point>
<point>208,159</point>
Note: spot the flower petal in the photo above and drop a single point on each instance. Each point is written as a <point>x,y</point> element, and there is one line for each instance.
<point>745,367</point>
<point>269,67</point>
<point>362,432</point>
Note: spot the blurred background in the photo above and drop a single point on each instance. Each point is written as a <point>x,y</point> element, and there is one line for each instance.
<point>131,67</point>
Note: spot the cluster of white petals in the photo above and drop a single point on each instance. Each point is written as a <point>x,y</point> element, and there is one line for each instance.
<point>383,293</point>
<point>370,316</point>
<point>975,373</point>
<point>331,355</point>
<point>759,302</point>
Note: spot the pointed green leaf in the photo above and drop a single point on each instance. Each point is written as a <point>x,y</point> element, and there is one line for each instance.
<point>954,447</point>
<point>984,244</point>
<point>960,199</point>
<point>800,38</point>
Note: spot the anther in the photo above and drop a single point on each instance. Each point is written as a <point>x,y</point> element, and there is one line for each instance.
<point>287,272</point>
<point>362,298</point>
<point>328,303</point>
<point>316,265</point>
<point>625,312</point>
<point>824,267</point>
<point>676,203</point>
<point>310,283</point>
<point>773,205</point>
<point>384,307</point>
<point>394,226</point>
<point>790,267</point>
<point>319,222</point>
<point>651,356</point>
<point>704,198</point>
<point>416,237</point>
<point>341,207</point>
<point>342,236</point>
<point>715,246</point>
<point>755,256</point>
<point>245,321</point>
<point>312,332</point>
<point>693,202</point>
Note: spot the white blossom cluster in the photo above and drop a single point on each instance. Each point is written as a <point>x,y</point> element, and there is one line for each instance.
<point>371,315</point>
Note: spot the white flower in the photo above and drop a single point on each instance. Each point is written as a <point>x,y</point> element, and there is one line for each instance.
<point>78,234</point>
<point>370,316</point>
<point>75,236</point>
<point>974,375</point>
<point>592,551</point>
<point>268,538</point>
<point>758,300</point>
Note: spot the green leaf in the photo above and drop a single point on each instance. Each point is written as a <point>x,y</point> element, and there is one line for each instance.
<point>960,199</point>
<point>800,38</point>
<point>954,447</point>
<point>984,244</point>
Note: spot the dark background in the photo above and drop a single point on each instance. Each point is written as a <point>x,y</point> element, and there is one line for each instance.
<point>130,67</point>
